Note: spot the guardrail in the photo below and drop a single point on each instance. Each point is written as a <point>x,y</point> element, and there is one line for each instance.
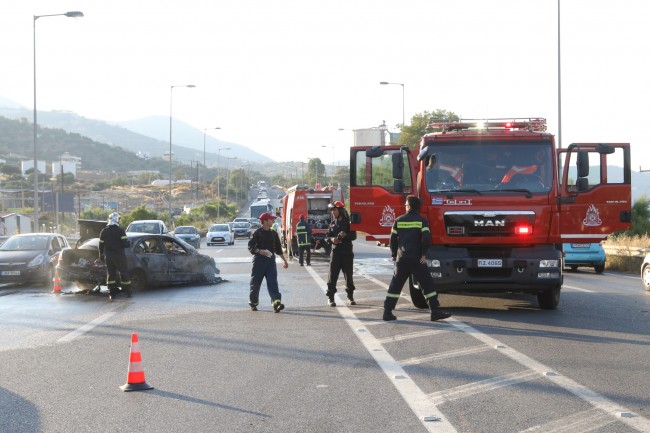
<point>626,251</point>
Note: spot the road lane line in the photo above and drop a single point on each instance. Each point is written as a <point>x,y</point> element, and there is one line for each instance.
<point>410,392</point>
<point>596,400</point>
<point>581,422</point>
<point>444,355</point>
<point>579,289</point>
<point>410,335</point>
<point>85,328</point>
<point>470,389</point>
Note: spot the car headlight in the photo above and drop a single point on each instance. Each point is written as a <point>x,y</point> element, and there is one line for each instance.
<point>36,261</point>
<point>548,263</point>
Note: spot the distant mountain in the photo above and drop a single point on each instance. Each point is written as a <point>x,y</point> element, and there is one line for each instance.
<point>149,135</point>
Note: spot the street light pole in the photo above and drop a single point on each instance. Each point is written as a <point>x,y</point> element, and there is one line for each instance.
<point>71,14</point>
<point>204,166</point>
<point>398,84</point>
<point>218,180</point>
<point>171,92</point>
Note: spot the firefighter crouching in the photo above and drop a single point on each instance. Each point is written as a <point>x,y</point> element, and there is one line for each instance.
<point>112,242</point>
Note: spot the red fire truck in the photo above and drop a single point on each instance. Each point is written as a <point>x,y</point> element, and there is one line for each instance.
<point>311,202</point>
<point>500,199</point>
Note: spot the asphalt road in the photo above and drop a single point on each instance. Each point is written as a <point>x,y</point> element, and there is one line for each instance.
<point>499,365</point>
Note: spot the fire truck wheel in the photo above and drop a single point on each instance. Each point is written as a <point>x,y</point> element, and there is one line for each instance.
<point>549,299</point>
<point>417,297</point>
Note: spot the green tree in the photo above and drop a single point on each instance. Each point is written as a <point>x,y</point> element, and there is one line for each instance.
<point>315,172</point>
<point>8,169</point>
<point>411,134</point>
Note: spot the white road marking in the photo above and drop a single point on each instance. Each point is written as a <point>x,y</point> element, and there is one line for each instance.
<point>411,393</point>
<point>444,355</point>
<point>85,328</point>
<point>401,337</point>
<point>596,400</point>
<point>486,385</point>
<point>581,422</point>
<point>579,289</point>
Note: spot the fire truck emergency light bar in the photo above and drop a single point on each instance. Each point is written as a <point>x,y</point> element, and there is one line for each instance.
<point>537,124</point>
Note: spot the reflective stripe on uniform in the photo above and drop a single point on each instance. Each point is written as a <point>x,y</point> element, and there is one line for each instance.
<point>430,295</point>
<point>392,295</point>
<point>409,224</point>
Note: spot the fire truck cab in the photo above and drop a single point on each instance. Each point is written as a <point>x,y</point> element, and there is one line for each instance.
<point>500,199</point>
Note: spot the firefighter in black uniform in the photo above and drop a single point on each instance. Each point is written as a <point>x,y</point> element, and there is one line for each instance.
<point>304,238</point>
<point>409,241</point>
<point>264,244</point>
<point>112,242</point>
<point>340,236</point>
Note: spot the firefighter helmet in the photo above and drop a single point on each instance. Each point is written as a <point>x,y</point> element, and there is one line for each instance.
<point>114,218</point>
<point>337,203</point>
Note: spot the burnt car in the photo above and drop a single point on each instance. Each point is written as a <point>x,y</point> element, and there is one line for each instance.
<point>188,234</point>
<point>152,259</point>
<point>31,257</point>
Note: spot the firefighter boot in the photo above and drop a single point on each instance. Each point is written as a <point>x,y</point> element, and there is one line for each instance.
<point>330,296</point>
<point>277,306</point>
<point>437,313</point>
<point>389,305</point>
<point>351,300</point>
<point>112,293</point>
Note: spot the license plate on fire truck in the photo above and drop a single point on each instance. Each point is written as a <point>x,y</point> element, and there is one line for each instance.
<point>490,263</point>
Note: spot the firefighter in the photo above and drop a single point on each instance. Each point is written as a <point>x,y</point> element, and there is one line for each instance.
<point>409,241</point>
<point>341,258</point>
<point>304,238</point>
<point>264,244</point>
<point>112,242</point>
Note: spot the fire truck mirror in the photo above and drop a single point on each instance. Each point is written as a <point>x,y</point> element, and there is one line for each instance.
<point>582,184</point>
<point>582,163</point>
<point>398,166</point>
<point>374,152</point>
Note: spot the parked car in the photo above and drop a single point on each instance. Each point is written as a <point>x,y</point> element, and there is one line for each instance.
<point>155,227</point>
<point>589,255</point>
<point>188,234</point>
<point>31,257</point>
<point>240,220</point>
<point>242,230</point>
<point>152,259</point>
<point>219,234</point>
<point>645,272</point>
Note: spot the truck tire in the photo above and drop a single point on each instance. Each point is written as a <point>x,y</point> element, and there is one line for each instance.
<point>549,299</point>
<point>417,297</point>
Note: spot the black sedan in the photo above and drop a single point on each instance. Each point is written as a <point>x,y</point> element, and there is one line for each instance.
<point>31,257</point>
<point>153,260</point>
<point>241,230</point>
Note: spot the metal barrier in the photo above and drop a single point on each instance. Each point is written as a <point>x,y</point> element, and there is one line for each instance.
<point>626,251</point>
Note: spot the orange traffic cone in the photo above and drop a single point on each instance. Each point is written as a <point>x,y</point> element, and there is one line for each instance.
<point>57,284</point>
<point>135,376</point>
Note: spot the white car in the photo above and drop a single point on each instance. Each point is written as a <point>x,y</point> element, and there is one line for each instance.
<point>219,234</point>
<point>645,272</point>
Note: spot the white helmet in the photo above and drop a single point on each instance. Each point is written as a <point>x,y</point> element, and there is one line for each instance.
<point>114,219</point>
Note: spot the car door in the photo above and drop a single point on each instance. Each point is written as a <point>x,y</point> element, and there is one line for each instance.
<point>182,263</point>
<point>149,256</point>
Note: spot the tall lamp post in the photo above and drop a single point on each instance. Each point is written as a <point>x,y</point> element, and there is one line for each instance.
<point>228,175</point>
<point>398,84</point>
<point>71,14</point>
<point>171,92</point>
<point>204,166</point>
<point>218,180</point>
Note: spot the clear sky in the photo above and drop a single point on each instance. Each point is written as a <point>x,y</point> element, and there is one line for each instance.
<point>281,77</point>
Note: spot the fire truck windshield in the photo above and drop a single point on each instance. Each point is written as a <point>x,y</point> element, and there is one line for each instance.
<point>480,166</point>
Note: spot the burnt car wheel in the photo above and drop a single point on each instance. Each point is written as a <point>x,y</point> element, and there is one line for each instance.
<point>209,273</point>
<point>138,280</point>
